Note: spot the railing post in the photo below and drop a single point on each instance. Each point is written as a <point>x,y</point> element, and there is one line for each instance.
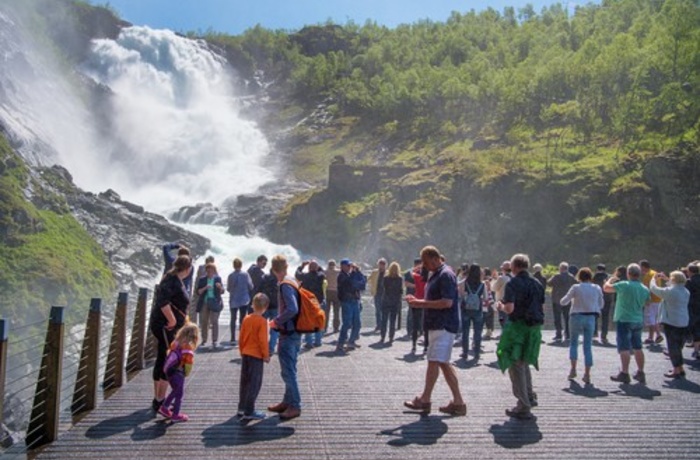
<point>43,424</point>
<point>4,332</point>
<point>85,392</point>
<point>114,371</point>
<point>135,360</point>
<point>150,352</point>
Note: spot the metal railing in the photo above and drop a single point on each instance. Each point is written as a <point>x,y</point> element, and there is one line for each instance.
<point>66,377</point>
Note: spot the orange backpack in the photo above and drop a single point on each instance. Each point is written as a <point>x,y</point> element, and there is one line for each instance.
<point>311,317</point>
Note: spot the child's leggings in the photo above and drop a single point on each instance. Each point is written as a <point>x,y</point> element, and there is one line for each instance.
<point>177,385</point>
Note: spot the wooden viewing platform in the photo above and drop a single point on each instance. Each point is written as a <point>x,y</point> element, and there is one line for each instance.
<point>352,409</point>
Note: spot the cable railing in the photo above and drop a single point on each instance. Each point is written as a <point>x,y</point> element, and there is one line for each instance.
<point>50,382</point>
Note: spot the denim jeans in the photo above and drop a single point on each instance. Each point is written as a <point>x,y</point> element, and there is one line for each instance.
<point>629,336</point>
<point>288,354</point>
<point>470,317</point>
<point>351,320</point>
<point>314,338</point>
<point>582,325</point>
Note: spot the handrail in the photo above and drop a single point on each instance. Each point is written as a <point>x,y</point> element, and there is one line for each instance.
<point>77,379</point>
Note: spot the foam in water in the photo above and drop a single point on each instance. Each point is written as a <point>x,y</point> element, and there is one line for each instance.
<point>178,120</point>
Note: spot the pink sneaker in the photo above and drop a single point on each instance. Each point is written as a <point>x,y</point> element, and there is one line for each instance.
<point>165,412</point>
<point>179,418</point>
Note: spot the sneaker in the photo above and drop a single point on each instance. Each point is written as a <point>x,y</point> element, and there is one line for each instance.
<point>179,418</point>
<point>418,405</point>
<point>640,377</point>
<point>648,341</point>
<point>519,414</point>
<point>240,413</point>
<point>256,415</point>
<point>340,351</point>
<point>572,374</point>
<point>290,413</point>
<point>355,345</point>
<point>621,377</point>
<point>165,412</point>
<point>557,338</point>
<point>604,341</point>
<point>308,346</point>
<point>454,409</point>
<point>659,339</point>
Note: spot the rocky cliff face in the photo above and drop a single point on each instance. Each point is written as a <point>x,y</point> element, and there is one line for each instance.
<point>131,237</point>
<point>579,221</point>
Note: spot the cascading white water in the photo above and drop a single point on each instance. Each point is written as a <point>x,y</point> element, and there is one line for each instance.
<point>178,121</point>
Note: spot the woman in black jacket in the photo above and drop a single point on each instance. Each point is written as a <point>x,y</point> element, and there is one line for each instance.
<point>391,300</point>
<point>167,317</point>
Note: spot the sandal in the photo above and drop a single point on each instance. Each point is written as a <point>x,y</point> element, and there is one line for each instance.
<point>418,405</point>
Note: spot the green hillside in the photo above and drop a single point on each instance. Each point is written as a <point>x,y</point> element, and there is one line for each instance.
<point>569,110</point>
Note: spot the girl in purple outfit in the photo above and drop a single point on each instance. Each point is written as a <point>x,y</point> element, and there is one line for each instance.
<point>178,365</point>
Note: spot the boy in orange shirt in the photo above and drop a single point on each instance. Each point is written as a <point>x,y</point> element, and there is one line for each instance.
<point>254,348</point>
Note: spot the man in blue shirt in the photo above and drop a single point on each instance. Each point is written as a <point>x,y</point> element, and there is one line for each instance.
<point>441,307</point>
<point>350,282</point>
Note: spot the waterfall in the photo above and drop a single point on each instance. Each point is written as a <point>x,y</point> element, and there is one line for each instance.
<point>167,131</point>
<point>183,140</point>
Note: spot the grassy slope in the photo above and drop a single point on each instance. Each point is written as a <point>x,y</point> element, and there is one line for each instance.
<point>48,258</point>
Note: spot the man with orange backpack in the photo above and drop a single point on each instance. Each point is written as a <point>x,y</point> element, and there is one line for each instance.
<point>313,280</point>
<point>290,340</point>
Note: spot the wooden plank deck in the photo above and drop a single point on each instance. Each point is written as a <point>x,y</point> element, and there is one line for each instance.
<point>352,409</point>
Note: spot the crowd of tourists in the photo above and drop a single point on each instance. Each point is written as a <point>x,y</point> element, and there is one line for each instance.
<point>445,308</point>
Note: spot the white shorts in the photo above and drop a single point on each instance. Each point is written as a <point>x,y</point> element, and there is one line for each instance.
<point>440,345</point>
<point>651,314</point>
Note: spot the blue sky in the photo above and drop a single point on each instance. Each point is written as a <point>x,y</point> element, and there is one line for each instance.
<point>235,16</point>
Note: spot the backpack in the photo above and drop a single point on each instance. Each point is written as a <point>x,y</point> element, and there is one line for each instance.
<point>473,300</point>
<point>311,317</point>
<point>172,361</point>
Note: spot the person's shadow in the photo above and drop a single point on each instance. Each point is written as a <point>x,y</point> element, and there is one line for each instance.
<point>116,425</point>
<point>515,434</point>
<point>234,433</point>
<point>411,358</point>
<point>683,385</point>
<point>424,432</point>
<point>638,391</point>
<point>589,391</point>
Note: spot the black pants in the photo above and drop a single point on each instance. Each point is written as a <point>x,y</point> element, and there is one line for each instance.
<point>416,324</point>
<point>559,311</point>
<point>251,382</point>
<point>389,315</point>
<point>164,338</point>
<point>675,339</point>
<point>604,320</point>
<point>490,319</point>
